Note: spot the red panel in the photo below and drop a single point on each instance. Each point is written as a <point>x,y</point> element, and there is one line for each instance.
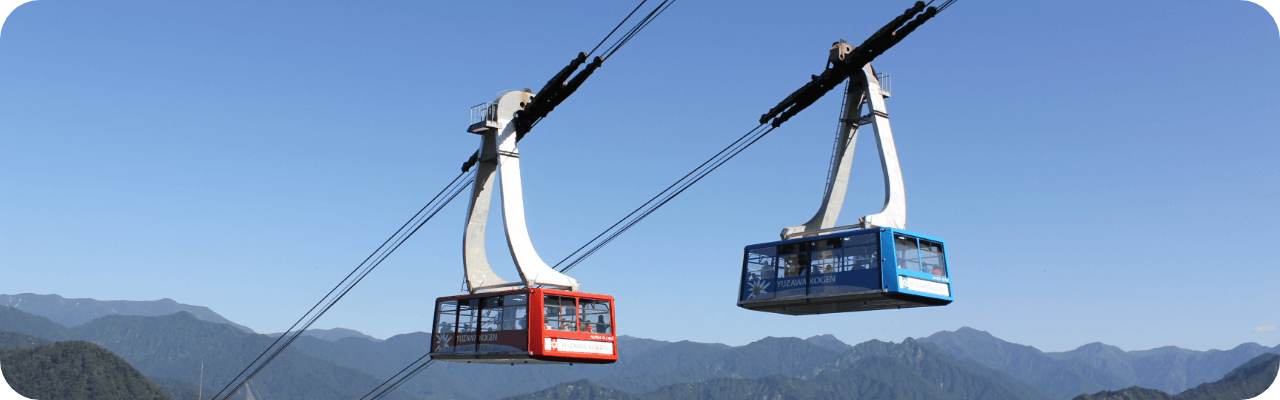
<point>538,334</point>
<point>575,347</point>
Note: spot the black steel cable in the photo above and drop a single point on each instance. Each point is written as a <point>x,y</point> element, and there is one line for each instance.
<point>392,386</point>
<point>644,23</point>
<point>359,272</point>
<point>615,29</point>
<point>637,28</point>
<point>684,183</point>
<point>406,378</point>
<point>655,197</point>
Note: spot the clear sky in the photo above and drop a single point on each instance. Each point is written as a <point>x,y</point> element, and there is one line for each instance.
<point>1102,171</point>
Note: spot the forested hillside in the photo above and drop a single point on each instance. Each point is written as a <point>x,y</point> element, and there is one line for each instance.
<point>1244,382</point>
<point>173,346</point>
<point>75,370</point>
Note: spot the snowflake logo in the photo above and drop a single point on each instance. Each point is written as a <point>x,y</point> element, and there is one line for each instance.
<point>757,287</point>
<point>443,340</point>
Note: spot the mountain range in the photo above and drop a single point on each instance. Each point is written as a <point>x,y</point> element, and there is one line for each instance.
<point>72,312</point>
<point>1096,366</point>
<point>962,364</point>
<point>174,346</point>
<point>1243,382</point>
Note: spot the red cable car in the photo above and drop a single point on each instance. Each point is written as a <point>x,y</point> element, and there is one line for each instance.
<point>525,326</point>
<point>540,319</point>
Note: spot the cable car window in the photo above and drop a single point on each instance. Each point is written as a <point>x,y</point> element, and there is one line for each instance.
<point>908,253</point>
<point>792,277</point>
<point>446,320</point>
<point>793,265</point>
<point>825,261</point>
<point>515,318</point>
<point>467,313</point>
<point>792,248</point>
<point>932,259</point>
<point>515,314</point>
<point>866,239</point>
<point>758,282</point>
<point>825,244</point>
<point>515,299</point>
<point>595,316</point>
<point>864,254</point>
<point>491,314</point>
<point>561,313</point>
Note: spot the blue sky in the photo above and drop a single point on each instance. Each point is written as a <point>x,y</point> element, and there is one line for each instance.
<point>1102,171</point>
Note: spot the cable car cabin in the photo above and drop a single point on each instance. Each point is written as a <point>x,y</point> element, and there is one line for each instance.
<point>862,270</point>
<point>525,326</point>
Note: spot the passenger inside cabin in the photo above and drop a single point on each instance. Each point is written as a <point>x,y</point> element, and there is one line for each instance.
<point>553,315</point>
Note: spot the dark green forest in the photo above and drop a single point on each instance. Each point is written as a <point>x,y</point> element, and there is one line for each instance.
<point>75,370</point>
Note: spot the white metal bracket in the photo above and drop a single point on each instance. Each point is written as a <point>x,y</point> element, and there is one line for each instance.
<point>500,160</point>
<point>863,89</point>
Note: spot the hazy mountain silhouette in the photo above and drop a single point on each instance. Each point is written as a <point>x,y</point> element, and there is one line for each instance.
<point>72,312</point>
<point>1168,369</point>
<point>15,320</point>
<point>339,362</point>
<point>874,370</point>
<point>1244,382</point>
<point>1060,379</point>
<point>75,370</point>
<point>829,341</point>
<point>1096,367</point>
<point>174,345</point>
<point>15,340</point>
<point>647,365</point>
<point>334,334</point>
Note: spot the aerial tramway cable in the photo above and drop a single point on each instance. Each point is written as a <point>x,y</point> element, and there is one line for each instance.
<point>390,245</point>
<point>400,378</point>
<point>615,29</point>
<point>638,27</point>
<point>666,195</point>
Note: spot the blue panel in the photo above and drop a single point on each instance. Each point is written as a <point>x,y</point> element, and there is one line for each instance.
<point>844,282</point>
<point>791,287</point>
<point>889,259</point>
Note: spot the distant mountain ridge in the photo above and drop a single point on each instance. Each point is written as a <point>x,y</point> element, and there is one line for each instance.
<point>334,334</point>
<point>646,366</point>
<point>16,340</point>
<point>173,346</point>
<point>1244,382</point>
<point>910,370</point>
<point>1096,367</point>
<point>74,312</point>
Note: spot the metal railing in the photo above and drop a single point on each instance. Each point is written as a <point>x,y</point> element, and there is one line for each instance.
<point>486,111</point>
<point>886,84</point>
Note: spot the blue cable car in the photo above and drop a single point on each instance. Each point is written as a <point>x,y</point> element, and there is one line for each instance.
<point>861,270</point>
